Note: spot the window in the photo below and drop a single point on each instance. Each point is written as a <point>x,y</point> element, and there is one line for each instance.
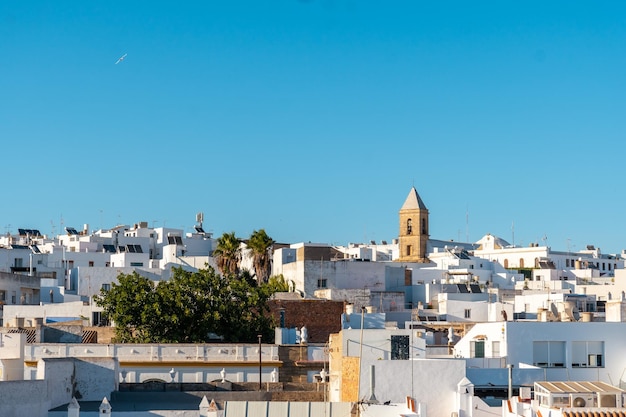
<point>399,347</point>
<point>136,264</point>
<point>588,354</point>
<point>91,263</point>
<point>106,287</point>
<point>2,295</point>
<point>19,262</point>
<point>409,227</point>
<point>567,263</point>
<point>424,231</point>
<point>549,354</point>
<point>495,349</point>
<point>408,250</point>
<point>468,313</point>
<point>321,283</point>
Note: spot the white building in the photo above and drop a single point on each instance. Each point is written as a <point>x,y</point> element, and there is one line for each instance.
<point>552,351</point>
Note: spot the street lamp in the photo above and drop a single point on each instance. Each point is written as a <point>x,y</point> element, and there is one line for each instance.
<point>260,364</point>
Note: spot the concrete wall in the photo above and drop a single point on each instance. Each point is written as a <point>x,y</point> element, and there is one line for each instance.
<point>95,378</point>
<point>24,398</point>
<point>432,382</point>
<point>60,375</point>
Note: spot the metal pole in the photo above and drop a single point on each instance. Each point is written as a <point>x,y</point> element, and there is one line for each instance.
<point>360,354</point>
<point>510,366</point>
<point>260,364</point>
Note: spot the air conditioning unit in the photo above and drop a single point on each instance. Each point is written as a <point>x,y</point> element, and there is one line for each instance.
<point>581,401</point>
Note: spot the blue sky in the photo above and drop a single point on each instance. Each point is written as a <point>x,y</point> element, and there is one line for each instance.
<point>313,119</point>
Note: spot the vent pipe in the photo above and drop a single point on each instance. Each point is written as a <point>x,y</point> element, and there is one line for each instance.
<point>372,398</point>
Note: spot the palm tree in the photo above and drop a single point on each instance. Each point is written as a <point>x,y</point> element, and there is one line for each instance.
<point>260,245</point>
<point>227,254</point>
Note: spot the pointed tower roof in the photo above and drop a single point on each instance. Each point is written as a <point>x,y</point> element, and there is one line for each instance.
<point>413,201</point>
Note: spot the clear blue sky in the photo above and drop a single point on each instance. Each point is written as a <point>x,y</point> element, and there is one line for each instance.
<point>313,119</point>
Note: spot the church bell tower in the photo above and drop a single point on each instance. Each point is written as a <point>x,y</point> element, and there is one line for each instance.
<point>413,229</point>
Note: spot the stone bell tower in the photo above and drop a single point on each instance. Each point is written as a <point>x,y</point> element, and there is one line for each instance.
<point>413,229</point>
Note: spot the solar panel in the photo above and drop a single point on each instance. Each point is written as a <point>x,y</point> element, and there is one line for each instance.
<point>138,249</point>
<point>71,231</point>
<point>475,289</point>
<point>19,247</point>
<point>199,229</point>
<point>109,248</point>
<point>31,232</point>
<point>35,249</point>
<point>130,248</point>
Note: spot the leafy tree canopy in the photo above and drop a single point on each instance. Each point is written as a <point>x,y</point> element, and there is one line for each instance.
<point>188,308</point>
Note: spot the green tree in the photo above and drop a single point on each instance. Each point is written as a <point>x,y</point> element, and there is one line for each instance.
<point>227,254</point>
<point>188,308</point>
<point>260,245</point>
<point>131,303</point>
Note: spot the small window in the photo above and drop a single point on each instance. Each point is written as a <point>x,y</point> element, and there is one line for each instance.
<point>321,283</point>
<point>91,263</point>
<point>136,264</point>
<point>468,313</point>
<point>408,250</point>
<point>106,287</point>
<point>409,226</point>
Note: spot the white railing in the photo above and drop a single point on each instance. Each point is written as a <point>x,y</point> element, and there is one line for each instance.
<point>153,352</point>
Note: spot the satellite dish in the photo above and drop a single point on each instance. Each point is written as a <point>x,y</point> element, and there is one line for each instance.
<point>579,402</point>
<point>554,310</point>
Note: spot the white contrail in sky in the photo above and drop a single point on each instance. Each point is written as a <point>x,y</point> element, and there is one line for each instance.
<point>121,59</point>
